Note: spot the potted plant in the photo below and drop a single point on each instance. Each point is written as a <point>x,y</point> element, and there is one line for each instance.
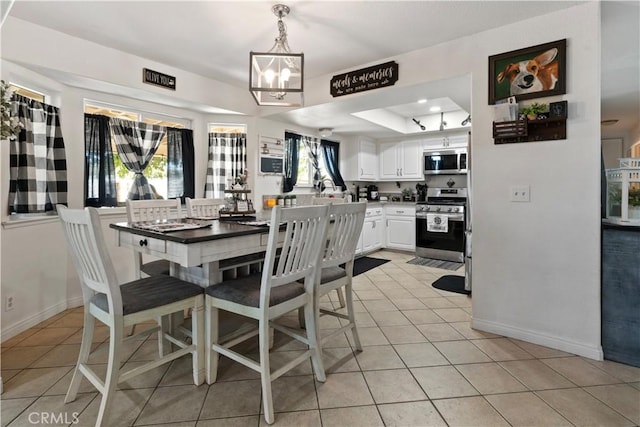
<point>533,110</point>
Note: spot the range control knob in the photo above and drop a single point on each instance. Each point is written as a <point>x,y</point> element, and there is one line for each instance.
<point>455,209</point>
<point>438,209</point>
<point>449,210</point>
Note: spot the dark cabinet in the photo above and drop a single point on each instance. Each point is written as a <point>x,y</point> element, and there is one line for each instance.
<point>621,294</point>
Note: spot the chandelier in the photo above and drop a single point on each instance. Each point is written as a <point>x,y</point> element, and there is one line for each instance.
<point>276,77</point>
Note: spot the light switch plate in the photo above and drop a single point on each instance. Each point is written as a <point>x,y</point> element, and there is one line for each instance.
<point>520,193</point>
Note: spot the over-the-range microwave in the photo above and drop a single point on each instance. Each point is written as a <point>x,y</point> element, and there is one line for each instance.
<point>448,161</point>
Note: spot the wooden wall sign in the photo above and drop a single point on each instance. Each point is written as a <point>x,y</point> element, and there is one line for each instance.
<point>365,79</point>
<point>158,79</point>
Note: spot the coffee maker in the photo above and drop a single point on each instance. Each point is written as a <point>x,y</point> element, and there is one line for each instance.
<point>421,190</point>
<point>372,192</point>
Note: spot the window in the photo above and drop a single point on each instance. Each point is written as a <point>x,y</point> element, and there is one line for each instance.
<point>305,162</point>
<point>156,172</point>
<point>29,93</point>
<point>227,128</point>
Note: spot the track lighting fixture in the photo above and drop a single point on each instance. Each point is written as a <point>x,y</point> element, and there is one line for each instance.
<point>442,122</point>
<point>418,123</point>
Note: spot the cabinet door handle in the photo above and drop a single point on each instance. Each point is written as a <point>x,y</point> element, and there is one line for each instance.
<point>400,171</point>
<point>143,242</point>
<point>361,171</point>
<point>399,212</point>
<point>373,224</point>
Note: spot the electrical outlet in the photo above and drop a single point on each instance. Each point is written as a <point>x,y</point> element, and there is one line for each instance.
<point>520,193</point>
<point>9,302</point>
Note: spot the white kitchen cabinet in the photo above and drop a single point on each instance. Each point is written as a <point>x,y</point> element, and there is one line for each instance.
<point>400,160</point>
<point>400,227</point>
<point>448,141</point>
<point>372,231</point>
<point>360,160</point>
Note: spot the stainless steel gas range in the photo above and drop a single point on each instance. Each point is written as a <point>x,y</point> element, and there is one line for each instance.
<point>441,224</point>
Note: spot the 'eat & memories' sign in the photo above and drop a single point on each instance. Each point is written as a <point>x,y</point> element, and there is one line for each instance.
<point>364,79</point>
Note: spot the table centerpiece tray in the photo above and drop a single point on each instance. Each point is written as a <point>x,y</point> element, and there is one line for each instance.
<point>171,225</point>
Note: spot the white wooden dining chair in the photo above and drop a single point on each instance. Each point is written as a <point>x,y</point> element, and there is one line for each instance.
<point>267,296</point>
<point>119,306</point>
<point>331,201</point>
<point>203,208</point>
<point>151,211</point>
<point>337,265</point>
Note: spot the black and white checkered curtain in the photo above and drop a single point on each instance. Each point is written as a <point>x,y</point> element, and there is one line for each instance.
<point>38,165</point>
<point>136,143</point>
<point>227,158</point>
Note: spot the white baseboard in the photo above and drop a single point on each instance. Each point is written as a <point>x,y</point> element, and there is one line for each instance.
<point>534,337</point>
<point>31,321</point>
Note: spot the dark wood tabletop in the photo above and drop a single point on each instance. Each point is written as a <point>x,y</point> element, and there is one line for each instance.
<point>216,230</point>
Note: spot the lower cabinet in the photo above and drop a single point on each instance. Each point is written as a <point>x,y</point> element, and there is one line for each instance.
<point>372,231</point>
<point>400,227</point>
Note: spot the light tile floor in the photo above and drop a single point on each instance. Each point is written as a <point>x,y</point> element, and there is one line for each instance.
<point>422,365</point>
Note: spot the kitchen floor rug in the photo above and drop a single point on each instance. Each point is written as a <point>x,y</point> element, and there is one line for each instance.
<point>436,263</point>
<point>451,284</point>
<point>364,264</point>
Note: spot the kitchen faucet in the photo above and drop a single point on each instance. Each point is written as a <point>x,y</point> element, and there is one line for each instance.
<point>319,188</point>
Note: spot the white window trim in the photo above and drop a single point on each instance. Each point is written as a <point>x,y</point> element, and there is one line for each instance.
<point>142,114</point>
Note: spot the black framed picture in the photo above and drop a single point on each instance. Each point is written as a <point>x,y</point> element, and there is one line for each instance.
<point>532,72</point>
<point>558,109</point>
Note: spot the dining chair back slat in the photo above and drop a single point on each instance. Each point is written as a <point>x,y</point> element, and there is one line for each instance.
<point>153,210</point>
<point>348,219</point>
<point>82,239</point>
<point>204,208</point>
<point>298,252</point>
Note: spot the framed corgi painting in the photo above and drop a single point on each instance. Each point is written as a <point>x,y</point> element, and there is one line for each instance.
<point>532,72</point>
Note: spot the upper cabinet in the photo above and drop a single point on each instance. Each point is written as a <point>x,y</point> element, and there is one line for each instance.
<point>360,160</point>
<point>449,141</point>
<point>400,160</point>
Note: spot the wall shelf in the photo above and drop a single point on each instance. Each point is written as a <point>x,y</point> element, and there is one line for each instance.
<point>530,130</point>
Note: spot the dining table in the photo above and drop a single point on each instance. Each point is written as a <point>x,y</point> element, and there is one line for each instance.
<point>195,248</point>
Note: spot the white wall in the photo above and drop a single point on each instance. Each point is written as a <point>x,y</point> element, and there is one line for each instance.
<point>536,265</point>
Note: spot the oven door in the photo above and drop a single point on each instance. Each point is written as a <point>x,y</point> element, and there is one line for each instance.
<point>447,245</point>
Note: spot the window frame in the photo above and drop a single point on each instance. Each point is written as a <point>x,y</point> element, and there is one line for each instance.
<point>141,116</point>
<point>302,148</point>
